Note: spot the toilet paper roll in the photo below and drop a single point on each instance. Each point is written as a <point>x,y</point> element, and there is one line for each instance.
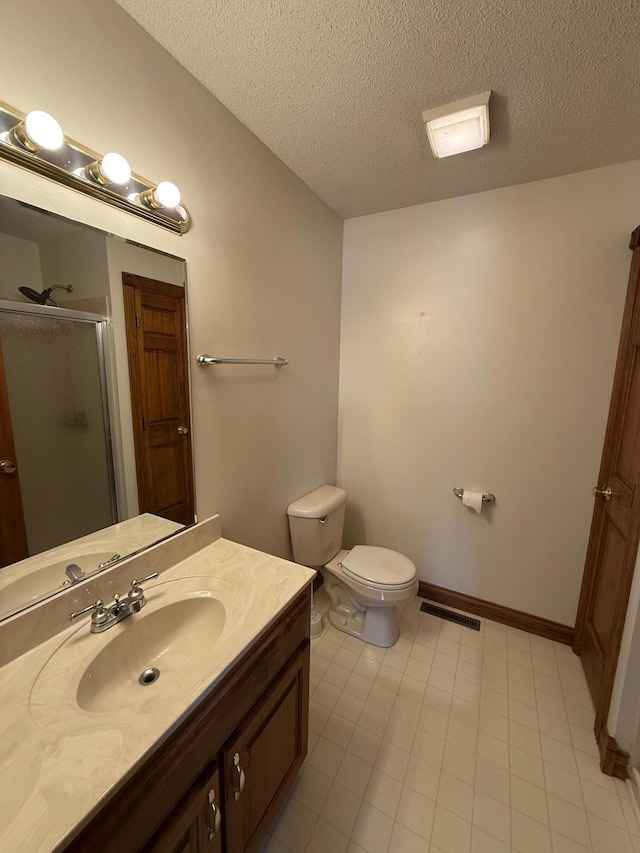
<point>473,500</point>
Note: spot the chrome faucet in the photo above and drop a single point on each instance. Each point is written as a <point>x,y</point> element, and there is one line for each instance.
<point>108,562</point>
<point>74,573</point>
<point>103,617</point>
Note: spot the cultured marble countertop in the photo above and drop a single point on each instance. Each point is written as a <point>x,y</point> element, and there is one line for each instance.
<point>58,764</point>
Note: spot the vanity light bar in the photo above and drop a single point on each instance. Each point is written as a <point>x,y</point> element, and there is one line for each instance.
<point>36,142</point>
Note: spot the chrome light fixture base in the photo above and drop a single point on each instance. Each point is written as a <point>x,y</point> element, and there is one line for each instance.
<point>75,166</point>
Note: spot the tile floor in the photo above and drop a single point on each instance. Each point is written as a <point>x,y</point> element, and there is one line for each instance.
<point>453,741</point>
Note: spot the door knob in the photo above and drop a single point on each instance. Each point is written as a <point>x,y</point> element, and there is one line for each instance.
<point>605,493</point>
<point>7,466</point>
<point>183,430</point>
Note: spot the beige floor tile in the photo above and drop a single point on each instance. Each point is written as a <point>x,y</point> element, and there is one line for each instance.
<point>529,836</point>
<point>568,820</point>
<point>603,804</point>
<point>338,730</point>
<point>450,833</point>
<point>492,816</point>
<point>493,780</point>
<point>482,842</point>
<point>354,774</point>
<point>341,808</point>
<point>327,838</point>
<point>459,763</point>
<point>403,840</point>
<point>364,744</point>
<point>295,825</point>
<point>452,742</point>
<point>392,760</point>
<point>607,838</point>
<point>416,812</point>
<point>311,788</point>
<point>400,733</point>
<point>526,766</point>
<point>326,757</point>
<point>563,784</point>
<point>372,830</point>
<point>383,792</point>
<point>423,777</point>
<point>456,796</point>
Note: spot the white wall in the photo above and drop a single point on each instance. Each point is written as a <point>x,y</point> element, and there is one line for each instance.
<point>479,337</point>
<point>78,261</point>
<point>263,256</point>
<point>19,267</point>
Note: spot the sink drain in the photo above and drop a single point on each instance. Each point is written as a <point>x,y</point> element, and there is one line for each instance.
<point>149,676</point>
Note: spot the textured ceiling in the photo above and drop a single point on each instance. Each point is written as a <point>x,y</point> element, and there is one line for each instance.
<point>336,88</point>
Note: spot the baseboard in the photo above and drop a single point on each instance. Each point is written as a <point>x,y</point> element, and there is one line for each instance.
<point>497,612</point>
<point>613,760</point>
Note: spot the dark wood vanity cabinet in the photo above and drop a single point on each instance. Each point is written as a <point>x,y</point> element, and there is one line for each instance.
<point>218,780</point>
<point>196,823</point>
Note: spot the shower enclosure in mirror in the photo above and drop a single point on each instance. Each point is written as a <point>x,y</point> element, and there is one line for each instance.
<point>54,407</point>
<point>79,488</point>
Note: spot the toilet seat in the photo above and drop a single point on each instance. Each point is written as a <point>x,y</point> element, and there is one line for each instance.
<point>380,568</point>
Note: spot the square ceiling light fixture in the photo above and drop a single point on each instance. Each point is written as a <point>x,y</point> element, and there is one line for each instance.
<point>461,126</point>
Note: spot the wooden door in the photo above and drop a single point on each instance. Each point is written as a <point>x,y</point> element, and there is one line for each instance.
<point>615,527</point>
<point>196,823</point>
<point>157,349</point>
<point>261,763</point>
<point>13,532</point>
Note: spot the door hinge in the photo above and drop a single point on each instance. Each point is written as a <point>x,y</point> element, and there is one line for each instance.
<point>144,423</point>
<point>137,321</point>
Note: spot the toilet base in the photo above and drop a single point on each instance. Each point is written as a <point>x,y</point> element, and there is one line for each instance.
<point>376,625</point>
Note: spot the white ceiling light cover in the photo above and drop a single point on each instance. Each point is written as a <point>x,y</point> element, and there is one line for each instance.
<point>458,127</point>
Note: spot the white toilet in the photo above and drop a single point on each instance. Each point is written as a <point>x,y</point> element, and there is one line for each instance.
<point>365,584</point>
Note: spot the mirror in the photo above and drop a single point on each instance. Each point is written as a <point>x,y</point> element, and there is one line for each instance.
<point>95,443</point>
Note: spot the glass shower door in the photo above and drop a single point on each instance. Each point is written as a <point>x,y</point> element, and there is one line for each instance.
<point>55,382</point>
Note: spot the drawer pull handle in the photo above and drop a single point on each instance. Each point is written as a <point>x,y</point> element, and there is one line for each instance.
<point>217,817</point>
<point>241,777</point>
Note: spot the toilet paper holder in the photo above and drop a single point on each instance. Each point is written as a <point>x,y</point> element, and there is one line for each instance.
<point>487,497</point>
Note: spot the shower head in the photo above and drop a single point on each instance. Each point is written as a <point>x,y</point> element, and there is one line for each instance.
<point>44,298</point>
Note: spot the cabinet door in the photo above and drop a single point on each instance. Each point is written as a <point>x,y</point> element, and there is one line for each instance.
<point>262,761</point>
<point>195,825</point>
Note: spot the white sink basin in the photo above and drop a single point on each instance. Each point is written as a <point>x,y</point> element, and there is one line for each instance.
<point>184,633</point>
<point>173,640</point>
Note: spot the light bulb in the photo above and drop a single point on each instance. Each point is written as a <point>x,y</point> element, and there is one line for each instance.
<point>115,168</point>
<point>167,194</point>
<point>39,130</point>
<point>111,169</point>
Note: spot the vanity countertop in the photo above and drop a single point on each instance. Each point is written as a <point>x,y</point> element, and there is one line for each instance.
<point>58,763</point>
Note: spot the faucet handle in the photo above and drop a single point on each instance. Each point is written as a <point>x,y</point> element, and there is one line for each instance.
<point>136,583</point>
<point>98,607</point>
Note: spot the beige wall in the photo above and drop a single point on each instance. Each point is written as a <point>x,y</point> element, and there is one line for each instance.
<point>263,256</point>
<point>479,337</point>
<point>19,267</point>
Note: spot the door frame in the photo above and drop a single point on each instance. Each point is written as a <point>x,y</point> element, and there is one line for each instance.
<point>612,759</point>
<point>134,281</point>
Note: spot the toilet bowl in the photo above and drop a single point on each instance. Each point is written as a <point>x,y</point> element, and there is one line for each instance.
<point>366,583</point>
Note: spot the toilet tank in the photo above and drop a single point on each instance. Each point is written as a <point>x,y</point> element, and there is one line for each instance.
<point>316,522</point>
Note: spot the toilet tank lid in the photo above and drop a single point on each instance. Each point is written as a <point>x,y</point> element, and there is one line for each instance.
<point>318,503</point>
<point>379,565</point>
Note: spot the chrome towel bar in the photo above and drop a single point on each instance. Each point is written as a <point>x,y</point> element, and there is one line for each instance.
<point>487,497</point>
<point>203,359</point>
